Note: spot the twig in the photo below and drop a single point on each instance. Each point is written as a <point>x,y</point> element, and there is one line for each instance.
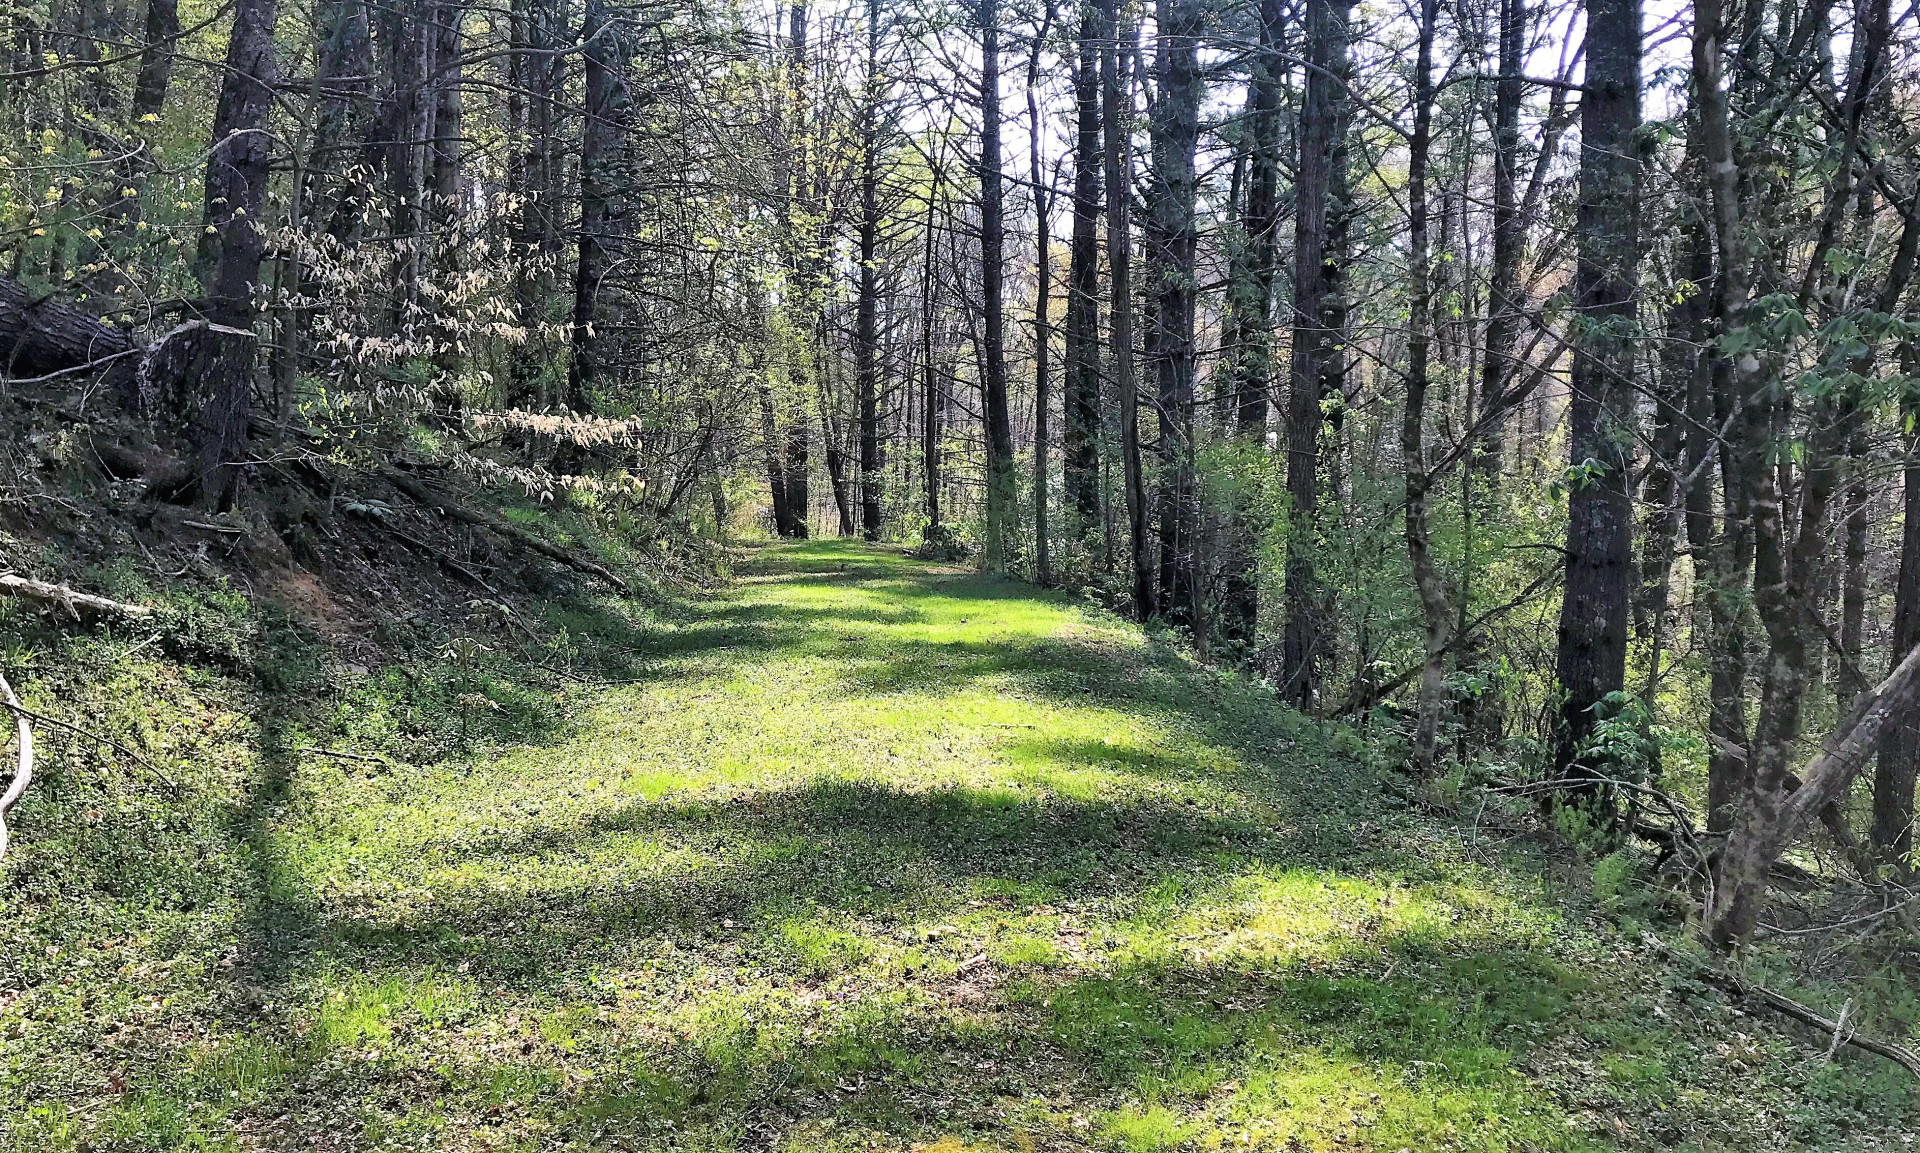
<point>23,772</point>
<point>21,711</point>
<point>340,754</point>
<point>595,681</point>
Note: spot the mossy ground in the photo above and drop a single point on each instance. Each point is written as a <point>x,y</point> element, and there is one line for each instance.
<point>863,854</point>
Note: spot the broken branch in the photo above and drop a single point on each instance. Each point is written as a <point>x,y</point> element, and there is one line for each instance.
<point>62,597</point>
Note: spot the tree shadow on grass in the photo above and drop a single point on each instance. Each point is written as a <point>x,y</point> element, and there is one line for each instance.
<point>539,903</point>
<point>1409,1046</point>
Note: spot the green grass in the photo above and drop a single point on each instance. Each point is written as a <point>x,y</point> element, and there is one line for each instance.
<point>868,854</point>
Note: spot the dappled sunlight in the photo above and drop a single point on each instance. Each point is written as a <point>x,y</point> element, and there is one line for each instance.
<point>872,856</point>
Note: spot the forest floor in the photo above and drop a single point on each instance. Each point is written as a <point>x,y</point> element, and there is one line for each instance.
<point>858,853</point>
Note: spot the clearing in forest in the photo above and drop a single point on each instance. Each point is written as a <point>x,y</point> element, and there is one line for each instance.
<point>866,853</point>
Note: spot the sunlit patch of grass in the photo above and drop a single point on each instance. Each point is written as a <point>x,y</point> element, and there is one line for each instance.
<point>866,856</point>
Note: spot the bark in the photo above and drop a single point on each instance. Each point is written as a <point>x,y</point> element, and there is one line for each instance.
<point>1253,309</point>
<point>799,475</point>
<point>1321,148</point>
<point>408,47</point>
<point>1001,495</point>
<point>1720,548</point>
<point>867,336</point>
<point>1436,601</point>
<point>1042,301</point>
<point>445,145</point>
<point>776,465</point>
<point>1898,768</point>
<point>1116,121</point>
<point>196,387</point>
<point>1592,649</point>
<point>1503,301</point>
<point>233,241</point>
<point>836,451</point>
<point>38,335</point>
<point>931,405</point>
<point>603,188</point>
<point>1172,240</point>
<point>232,246</point>
<point>1081,404</point>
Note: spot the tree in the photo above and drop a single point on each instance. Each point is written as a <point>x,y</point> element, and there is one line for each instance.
<point>1253,366</point>
<point>1081,403</point>
<point>995,412</point>
<point>604,178</point>
<point>1436,599</point>
<point>1172,243</point>
<point>1116,116</point>
<point>1592,650</point>
<point>1042,300</point>
<point>1322,131</point>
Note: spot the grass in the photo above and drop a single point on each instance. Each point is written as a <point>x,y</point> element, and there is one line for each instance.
<point>865,855</point>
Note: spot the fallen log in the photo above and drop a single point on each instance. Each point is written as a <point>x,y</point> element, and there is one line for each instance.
<point>40,337</point>
<point>513,532</point>
<point>72,602</point>
<point>23,768</point>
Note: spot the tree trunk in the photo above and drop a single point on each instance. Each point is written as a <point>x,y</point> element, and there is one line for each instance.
<point>1898,769</point>
<point>1253,310</point>
<point>1321,126</point>
<point>1172,240</point>
<point>776,465</point>
<point>931,406</point>
<point>1592,651</point>
<point>39,335</point>
<point>1042,301</point>
<point>867,335</point>
<point>1503,304</point>
<point>1436,603</point>
<point>1081,406</point>
<point>603,189</point>
<point>1116,116</point>
<point>233,244</point>
<point>445,145</point>
<point>1001,483</point>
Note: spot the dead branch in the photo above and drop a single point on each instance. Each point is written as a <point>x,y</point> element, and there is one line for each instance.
<point>513,532</point>
<point>19,711</point>
<point>23,771</point>
<point>66,599</point>
<point>1905,1058</point>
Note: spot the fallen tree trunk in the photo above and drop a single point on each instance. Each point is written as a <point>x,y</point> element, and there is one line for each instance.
<point>39,337</point>
<point>1767,825</point>
<point>513,532</point>
<point>67,600</point>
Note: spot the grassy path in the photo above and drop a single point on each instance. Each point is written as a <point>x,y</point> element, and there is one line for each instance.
<point>872,855</point>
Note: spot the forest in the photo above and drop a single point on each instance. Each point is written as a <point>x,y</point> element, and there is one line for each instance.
<point>514,520</point>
